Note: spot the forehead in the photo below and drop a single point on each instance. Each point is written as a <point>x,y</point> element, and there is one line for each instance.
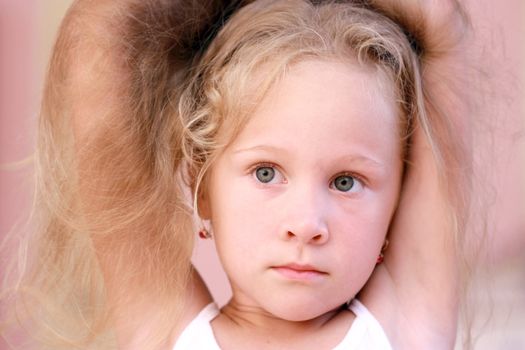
<point>320,103</point>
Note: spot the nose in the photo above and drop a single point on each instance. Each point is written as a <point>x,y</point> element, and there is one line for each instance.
<point>305,220</point>
<point>316,237</point>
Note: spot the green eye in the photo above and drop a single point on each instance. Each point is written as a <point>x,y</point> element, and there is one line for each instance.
<point>344,183</point>
<point>265,174</point>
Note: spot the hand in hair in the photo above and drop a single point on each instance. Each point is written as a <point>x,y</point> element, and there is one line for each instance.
<point>437,25</point>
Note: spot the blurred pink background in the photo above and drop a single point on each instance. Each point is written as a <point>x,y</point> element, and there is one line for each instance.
<point>27,29</point>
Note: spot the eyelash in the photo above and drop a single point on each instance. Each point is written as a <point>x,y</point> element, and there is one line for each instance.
<point>254,168</point>
<point>356,177</point>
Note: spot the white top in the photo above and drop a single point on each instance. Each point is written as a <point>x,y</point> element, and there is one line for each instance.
<point>364,334</point>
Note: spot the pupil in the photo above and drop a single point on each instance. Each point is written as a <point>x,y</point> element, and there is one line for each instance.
<point>344,183</point>
<point>265,174</point>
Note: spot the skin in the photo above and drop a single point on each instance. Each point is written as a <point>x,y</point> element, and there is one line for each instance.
<point>300,215</point>
<point>414,293</point>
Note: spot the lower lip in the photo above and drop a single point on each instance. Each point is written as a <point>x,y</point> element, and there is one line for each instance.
<point>299,275</point>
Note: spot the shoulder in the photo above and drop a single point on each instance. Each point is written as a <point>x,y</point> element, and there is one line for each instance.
<point>198,298</point>
<point>198,334</point>
<point>366,332</point>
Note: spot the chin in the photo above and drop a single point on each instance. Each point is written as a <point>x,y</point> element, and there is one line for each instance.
<point>301,311</point>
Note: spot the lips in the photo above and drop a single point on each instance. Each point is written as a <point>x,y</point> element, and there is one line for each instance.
<point>299,272</point>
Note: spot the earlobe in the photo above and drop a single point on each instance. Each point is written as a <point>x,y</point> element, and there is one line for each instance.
<point>203,206</point>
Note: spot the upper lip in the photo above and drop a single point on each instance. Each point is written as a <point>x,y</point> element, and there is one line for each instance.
<point>301,267</point>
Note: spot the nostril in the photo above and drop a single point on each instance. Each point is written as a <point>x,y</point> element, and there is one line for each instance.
<point>312,238</point>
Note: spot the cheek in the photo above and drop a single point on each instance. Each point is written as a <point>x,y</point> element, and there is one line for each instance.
<point>359,233</point>
<point>238,209</point>
<point>355,252</point>
<point>240,218</point>
<point>360,230</point>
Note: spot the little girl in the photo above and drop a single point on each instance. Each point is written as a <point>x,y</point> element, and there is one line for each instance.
<point>319,143</point>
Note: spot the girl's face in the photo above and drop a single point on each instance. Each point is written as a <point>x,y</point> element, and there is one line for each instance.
<point>300,202</point>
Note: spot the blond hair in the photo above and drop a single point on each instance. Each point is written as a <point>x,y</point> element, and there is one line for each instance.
<point>115,216</point>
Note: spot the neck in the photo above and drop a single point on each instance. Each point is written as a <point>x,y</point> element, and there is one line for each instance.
<point>242,324</point>
<point>248,317</point>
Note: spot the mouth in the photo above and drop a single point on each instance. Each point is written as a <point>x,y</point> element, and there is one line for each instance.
<point>299,272</point>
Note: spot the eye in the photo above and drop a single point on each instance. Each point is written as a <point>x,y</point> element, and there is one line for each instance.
<point>265,174</point>
<point>347,183</point>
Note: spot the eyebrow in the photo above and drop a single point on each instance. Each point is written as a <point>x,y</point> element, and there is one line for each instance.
<point>266,148</point>
<point>362,159</point>
<point>359,158</point>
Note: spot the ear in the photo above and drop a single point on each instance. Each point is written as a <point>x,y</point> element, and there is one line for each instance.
<point>203,204</point>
